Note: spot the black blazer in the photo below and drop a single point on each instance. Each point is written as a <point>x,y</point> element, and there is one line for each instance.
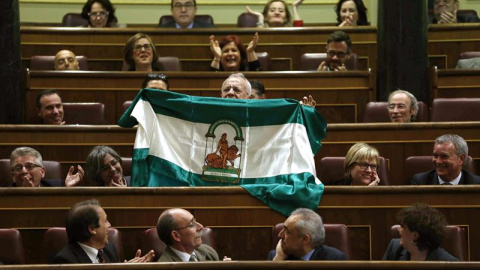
<point>396,252</point>
<point>73,253</point>
<point>431,178</point>
<point>321,253</point>
<point>196,24</point>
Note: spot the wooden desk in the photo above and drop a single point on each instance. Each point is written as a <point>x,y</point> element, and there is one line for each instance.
<point>395,142</point>
<point>341,96</point>
<point>454,83</point>
<point>104,47</point>
<point>238,219</point>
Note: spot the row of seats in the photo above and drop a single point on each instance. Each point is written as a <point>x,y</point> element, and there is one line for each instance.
<point>336,235</point>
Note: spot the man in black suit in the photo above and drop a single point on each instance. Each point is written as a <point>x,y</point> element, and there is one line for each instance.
<point>302,239</point>
<point>87,229</point>
<point>449,154</point>
<point>445,11</point>
<point>183,12</point>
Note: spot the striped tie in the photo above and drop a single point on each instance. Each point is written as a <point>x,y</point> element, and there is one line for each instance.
<point>193,258</point>
<point>101,258</point>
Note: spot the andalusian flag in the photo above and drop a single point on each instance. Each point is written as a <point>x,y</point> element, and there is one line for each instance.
<point>265,146</point>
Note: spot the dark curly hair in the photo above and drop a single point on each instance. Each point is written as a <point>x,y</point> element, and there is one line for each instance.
<point>241,48</point>
<point>106,5</point>
<point>428,222</point>
<point>361,9</point>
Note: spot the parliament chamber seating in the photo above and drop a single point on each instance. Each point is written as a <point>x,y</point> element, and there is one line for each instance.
<point>164,63</point>
<point>88,113</point>
<point>56,238</point>
<point>127,166</point>
<point>311,61</point>
<point>149,240</point>
<point>53,172</point>
<point>468,55</point>
<point>336,235</point>
<point>73,20</point>
<point>247,20</point>
<point>455,109</point>
<point>455,241</point>
<point>331,170</point>
<point>419,164</point>
<point>126,104</point>
<point>265,61</point>
<point>46,62</point>
<point>376,112</point>
<point>11,247</point>
<point>202,18</point>
<point>461,13</point>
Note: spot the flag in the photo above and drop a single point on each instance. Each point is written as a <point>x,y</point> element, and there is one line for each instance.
<point>265,146</point>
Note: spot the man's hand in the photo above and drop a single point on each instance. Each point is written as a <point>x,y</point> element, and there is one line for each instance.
<point>146,258</point>
<point>448,17</point>
<point>341,68</point>
<point>322,67</point>
<point>225,258</point>
<point>279,253</point>
<point>73,180</point>
<point>26,182</point>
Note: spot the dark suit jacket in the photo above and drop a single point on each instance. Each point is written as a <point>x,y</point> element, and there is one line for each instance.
<point>321,253</point>
<point>395,252</point>
<point>462,19</point>
<point>204,253</point>
<point>196,24</point>
<point>73,253</point>
<point>431,178</point>
<point>46,183</point>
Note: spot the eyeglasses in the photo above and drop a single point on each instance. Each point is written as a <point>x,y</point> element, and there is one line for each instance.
<point>192,224</point>
<point>188,6</point>
<point>29,166</point>
<point>338,54</point>
<point>398,106</point>
<point>364,166</point>
<point>112,163</point>
<point>101,14</point>
<point>146,47</point>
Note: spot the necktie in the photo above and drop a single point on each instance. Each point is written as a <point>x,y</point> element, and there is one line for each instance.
<point>193,258</point>
<point>101,258</point>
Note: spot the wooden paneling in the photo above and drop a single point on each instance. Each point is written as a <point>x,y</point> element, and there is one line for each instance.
<point>454,83</point>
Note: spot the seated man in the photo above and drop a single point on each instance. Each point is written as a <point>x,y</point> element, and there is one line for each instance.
<point>449,154</point>
<point>66,60</point>
<point>182,234</point>
<point>302,239</point>
<point>50,108</point>
<point>183,12</point>
<point>156,81</point>
<point>402,106</point>
<point>87,229</point>
<point>445,11</point>
<point>338,48</point>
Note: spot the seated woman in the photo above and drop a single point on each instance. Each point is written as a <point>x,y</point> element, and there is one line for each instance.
<point>351,13</point>
<point>361,163</point>
<point>140,54</point>
<point>276,14</point>
<point>103,167</point>
<point>230,54</point>
<point>421,234</point>
<point>99,13</point>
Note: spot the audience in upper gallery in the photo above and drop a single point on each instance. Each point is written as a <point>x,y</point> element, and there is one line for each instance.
<point>237,86</point>
<point>421,234</point>
<point>402,106</point>
<point>87,230</point>
<point>258,90</point>
<point>276,14</point>
<point>156,81</point>
<point>183,12</point>
<point>302,239</point>
<point>231,55</point>
<point>338,52</point>
<point>361,166</point>
<point>351,13</point>
<point>99,14</point>
<point>65,60</point>
<point>182,234</point>
<point>449,154</point>
<point>50,107</point>
<point>103,167</point>
<point>28,170</point>
<point>140,54</point>
<point>445,11</point>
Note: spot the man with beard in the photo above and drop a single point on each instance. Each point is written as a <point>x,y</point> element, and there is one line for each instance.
<point>338,52</point>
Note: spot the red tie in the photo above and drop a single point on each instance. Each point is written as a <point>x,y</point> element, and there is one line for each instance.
<point>101,258</point>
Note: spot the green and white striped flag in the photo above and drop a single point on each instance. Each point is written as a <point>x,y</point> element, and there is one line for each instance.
<point>265,146</point>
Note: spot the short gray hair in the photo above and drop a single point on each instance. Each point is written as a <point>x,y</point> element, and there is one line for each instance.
<point>310,223</point>
<point>94,162</point>
<point>460,144</point>
<point>25,151</point>
<point>413,100</point>
<point>241,76</point>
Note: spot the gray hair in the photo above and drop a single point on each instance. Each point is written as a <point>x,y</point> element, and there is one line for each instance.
<point>460,144</point>
<point>413,100</point>
<point>94,162</point>
<point>25,151</point>
<point>310,223</point>
<point>241,76</point>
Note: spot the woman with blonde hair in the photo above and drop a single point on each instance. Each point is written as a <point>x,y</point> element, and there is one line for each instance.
<point>361,165</point>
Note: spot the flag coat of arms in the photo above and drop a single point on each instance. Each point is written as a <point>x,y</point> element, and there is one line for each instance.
<point>265,146</point>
